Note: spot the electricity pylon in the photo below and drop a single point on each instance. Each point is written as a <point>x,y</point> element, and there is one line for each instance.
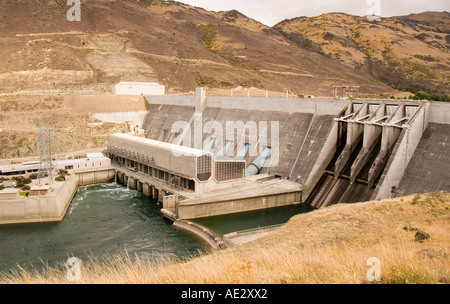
<point>45,146</point>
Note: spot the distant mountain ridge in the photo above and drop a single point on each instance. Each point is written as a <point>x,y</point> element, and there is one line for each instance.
<point>183,47</point>
<point>406,52</point>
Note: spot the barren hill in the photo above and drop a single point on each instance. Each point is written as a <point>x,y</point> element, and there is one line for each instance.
<point>175,44</point>
<point>407,52</point>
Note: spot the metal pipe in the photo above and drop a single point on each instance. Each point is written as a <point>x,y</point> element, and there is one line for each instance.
<point>209,146</point>
<point>243,152</point>
<point>256,166</point>
<point>224,150</point>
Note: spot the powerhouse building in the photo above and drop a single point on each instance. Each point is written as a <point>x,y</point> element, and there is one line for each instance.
<point>191,169</point>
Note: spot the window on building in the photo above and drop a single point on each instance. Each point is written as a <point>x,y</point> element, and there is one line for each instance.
<point>204,167</point>
<point>229,170</point>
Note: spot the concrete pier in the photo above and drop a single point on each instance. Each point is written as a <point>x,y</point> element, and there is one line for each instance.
<point>53,206</point>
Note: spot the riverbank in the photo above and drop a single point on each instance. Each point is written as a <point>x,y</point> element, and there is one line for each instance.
<point>331,245</point>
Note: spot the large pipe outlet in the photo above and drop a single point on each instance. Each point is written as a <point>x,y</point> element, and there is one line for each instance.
<point>256,166</point>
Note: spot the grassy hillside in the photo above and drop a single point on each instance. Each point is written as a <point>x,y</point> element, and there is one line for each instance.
<point>330,245</point>
<point>408,52</point>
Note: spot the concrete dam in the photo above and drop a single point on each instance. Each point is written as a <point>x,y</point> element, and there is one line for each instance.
<point>269,152</point>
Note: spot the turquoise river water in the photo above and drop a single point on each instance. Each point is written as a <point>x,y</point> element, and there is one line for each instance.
<point>108,219</point>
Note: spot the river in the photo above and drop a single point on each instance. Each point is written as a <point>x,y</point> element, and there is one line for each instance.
<point>102,220</point>
<point>108,219</point>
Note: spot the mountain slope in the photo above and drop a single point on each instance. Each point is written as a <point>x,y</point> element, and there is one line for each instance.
<point>175,44</point>
<point>408,52</point>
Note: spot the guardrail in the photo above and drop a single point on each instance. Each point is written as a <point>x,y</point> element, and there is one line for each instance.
<point>258,229</point>
<point>227,238</point>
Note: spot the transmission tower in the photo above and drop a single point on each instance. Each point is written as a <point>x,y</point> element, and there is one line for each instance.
<point>45,146</point>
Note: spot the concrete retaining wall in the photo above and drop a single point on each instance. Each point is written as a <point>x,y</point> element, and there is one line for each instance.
<point>290,105</point>
<point>438,112</point>
<point>95,176</point>
<point>121,117</point>
<point>191,211</point>
<point>138,88</point>
<point>433,151</point>
<point>52,207</point>
<point>204,233</point>
<point>403,152</point>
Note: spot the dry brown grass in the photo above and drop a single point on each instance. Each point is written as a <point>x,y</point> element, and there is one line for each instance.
<point>330,245</point>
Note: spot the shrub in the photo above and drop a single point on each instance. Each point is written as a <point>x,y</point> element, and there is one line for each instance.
<point>62,173</point>
<point>433,97</point>
<point>22,181</point>
<point>60,179</point>
<point>33,176</point>
<point>423,95</point>
<point>26,188</point>
<point>422,36</point>
<point>328,36</point>
<point>209,34</point>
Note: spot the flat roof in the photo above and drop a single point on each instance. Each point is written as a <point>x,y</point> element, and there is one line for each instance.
<point>77,160</point>
<point>242,189</point>
<point>9,191</point>
<point>139,83</point>
<point>95,155</point>
<point>39,188</point>
<point>18,167</point>
<point>229,159</point>
<point>187,151</point>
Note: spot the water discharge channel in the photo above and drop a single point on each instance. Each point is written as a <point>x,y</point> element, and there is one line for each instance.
<point>102,221</point>
<point>107,220</point>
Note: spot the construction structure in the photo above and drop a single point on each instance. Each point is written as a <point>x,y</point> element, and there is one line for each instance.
<point>341,91</point>
<point>320,152</point>
<point>190,182</point>
<point>138,88</point>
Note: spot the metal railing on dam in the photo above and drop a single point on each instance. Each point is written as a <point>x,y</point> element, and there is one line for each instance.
<point>240,237</point>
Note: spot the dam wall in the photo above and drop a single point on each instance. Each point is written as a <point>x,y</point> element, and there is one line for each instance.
<point>301,127</point>
<point>366,155</point>
<point>434,151</point>
<point>403,152</point>
<point>312,106</point>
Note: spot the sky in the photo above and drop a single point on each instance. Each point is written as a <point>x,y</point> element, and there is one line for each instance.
<point>270,12</point>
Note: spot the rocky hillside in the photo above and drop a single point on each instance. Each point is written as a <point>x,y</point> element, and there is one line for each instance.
<point>175,44</point>
<point>408,52</point>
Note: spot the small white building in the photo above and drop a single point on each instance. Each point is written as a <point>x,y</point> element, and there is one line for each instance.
<point>138,88</point>
<point>9,194</point>
<point>83,164</point>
